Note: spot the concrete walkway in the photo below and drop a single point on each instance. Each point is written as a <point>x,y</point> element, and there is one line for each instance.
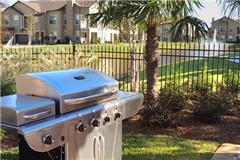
<point>227,151</point>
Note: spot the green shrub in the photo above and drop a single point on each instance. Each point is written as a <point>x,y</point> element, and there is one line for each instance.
<point>209,107</point>
<point>156,115</point>
<point>9,70</point>
<point>173,99</point>
<point>168,102</point>
<point>231,81</point>
<point>7,88</point>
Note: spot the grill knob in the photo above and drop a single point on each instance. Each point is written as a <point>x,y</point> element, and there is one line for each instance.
<point>106,119</point>
<point>80,127</point>
<point>48,140</point>
<point>95,122</point>
<point>117,115</point>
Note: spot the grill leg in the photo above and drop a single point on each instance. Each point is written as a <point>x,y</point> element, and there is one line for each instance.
<point>26,153</point>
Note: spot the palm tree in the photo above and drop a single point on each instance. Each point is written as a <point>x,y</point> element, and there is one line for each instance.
<point>150,13</point>
<point>230,7</point>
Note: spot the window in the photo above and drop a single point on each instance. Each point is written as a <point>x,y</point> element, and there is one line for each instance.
<point>25,22</point>
<point>77,19</point>
<point>15,20</point>
<point>238,29</point>
<point>6,19</point>
<point>64,20</point>
<point>83,21</point>
<point>53,19</point>
<point>77,36</point>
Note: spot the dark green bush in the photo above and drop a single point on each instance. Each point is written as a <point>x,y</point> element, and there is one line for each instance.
<point>9,71</point>
<point>168,102</point>
<point>209,107</point>
<point>156,115</point>
<point>7,88</point>
<point>173,99</point>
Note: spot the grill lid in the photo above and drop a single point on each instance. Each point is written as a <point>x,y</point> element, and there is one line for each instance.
<point>71,89</point>
<point>18,110</point>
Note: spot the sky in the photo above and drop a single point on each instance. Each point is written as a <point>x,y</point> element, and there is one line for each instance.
<point>211,10</point>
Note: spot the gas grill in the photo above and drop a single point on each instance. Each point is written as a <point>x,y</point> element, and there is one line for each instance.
<point>68,115</point>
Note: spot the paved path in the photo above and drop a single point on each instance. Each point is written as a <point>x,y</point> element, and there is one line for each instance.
<point>227,151</point>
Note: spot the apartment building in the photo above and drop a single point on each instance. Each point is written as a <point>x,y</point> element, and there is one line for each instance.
<point>51,21</point>
<point>165,34</point>
<point>227,29</point>
<point>163,31</point>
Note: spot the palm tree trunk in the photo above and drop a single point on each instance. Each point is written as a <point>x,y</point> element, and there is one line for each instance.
<point>151,64</point>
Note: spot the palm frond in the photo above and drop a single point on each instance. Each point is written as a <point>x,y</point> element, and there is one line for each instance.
<point>199,29</point>
<point>230,7</point>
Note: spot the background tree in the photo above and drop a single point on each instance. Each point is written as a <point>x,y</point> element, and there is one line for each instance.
<point>150,13</point>
<point>230,7</point>
<point>181,29</point>
<point>30,28</point>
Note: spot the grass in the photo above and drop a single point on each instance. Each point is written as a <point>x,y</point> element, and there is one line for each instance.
<point>9,154</point>
<point>157,147</point>
<point>160,147</point>
<point>211,71</point>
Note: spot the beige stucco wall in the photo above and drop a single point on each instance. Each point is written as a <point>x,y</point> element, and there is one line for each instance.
<point>10,13</point>
<point>23,8</point>
<point>58,27</point>
<point>232,30</point>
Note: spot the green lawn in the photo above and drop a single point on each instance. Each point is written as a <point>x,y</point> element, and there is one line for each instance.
<point>160,147</point>
<point>9,154</point>
<point>212,71</point>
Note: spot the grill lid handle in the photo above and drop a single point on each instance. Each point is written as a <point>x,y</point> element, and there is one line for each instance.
<point>36,115</point>
<point>89,98</point>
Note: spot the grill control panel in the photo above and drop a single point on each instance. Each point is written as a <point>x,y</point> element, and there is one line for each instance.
<point>56,131</point>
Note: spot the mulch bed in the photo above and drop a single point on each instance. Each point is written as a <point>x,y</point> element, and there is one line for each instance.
<point>225,131</point>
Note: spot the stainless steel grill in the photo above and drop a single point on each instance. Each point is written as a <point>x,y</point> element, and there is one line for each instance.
<point>71,114</point>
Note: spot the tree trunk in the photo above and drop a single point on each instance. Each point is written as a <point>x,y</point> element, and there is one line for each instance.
<point>151,64</point>
<point>132,59</point>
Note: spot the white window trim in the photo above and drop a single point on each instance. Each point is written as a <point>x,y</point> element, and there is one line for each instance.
<point>16,24</point>
<point>50,19</point>
<point>83,21</point>
<point>4,20</point>
<point>75,19</point>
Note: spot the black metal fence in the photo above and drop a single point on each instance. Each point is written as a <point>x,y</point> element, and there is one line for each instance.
<point>189,65</point>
